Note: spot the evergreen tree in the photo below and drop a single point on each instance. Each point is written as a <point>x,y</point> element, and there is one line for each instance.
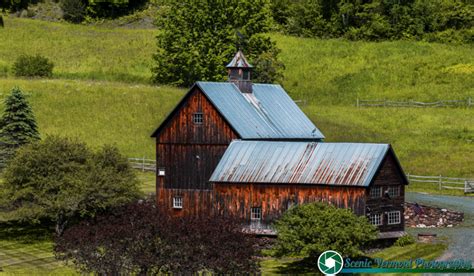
<point>17,125</point>
<point>199,38</point>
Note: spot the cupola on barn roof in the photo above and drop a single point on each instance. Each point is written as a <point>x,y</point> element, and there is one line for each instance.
<point>239,61</point>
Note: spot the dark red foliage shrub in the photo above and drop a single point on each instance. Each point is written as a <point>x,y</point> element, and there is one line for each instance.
<point>139,239</point>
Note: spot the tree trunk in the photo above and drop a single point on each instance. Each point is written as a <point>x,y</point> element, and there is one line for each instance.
<point>1,21</point>
<point>61,223</point>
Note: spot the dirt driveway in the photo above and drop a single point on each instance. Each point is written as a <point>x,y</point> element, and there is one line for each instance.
<point>461,237</point>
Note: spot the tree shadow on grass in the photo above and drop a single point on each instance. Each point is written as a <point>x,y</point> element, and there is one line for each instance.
<point>24,232</point>
<point>298,267</point>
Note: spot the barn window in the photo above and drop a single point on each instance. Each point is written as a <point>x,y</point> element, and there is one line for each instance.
<point>161,171</point>
<point>246,75</point>
<point>198,118</point>
<point>178,202</point>
<point>393,217</point>
<point>256,213</point>
<point>394,191</point>
<point>375,219</point>
<point>376,192</point>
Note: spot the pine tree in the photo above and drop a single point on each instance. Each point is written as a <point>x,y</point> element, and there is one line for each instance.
<point>17,125</point>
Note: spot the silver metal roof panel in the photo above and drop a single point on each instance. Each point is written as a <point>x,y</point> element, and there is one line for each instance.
<point>352,164</point>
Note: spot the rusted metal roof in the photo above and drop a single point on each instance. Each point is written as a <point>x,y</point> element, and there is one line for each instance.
<point>239,61</point>
<point>353,164</point>
<point>267,113</point>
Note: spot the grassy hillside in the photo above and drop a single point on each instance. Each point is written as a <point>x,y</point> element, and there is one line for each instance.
<point>98,112</point>
<point>329,74</point>
<point>80,52</point>
<point>338,71</point>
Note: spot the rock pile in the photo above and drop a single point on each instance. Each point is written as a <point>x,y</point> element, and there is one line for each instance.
<point>422,216</point>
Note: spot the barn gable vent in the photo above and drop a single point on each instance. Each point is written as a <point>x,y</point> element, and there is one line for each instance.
<point>239,72</point>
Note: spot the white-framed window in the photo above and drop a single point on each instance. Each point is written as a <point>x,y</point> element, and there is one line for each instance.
<point>375,219</point>
<point>198,118</point>
<point>393,217</point>
<point>161,171</point>
<point>178,202</point>
<point>375,192</point>
<point>256,213</point>
<point>394,191</point>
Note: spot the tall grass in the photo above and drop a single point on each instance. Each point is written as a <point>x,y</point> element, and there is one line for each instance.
<point>98,112</point>
<point>329,74</point>
<point>80,52</point>
<point>338,71</point>
<point>427,141</point>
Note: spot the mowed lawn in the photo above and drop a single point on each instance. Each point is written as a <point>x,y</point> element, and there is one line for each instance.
<point>28,250</point>
<point>295,266</point>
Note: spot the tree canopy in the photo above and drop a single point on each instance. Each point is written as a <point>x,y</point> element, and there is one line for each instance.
<point>139,239</point>
<point>59,179</point>
<point>198,38</point>
<point>310,229</point>
<point>432,20</point>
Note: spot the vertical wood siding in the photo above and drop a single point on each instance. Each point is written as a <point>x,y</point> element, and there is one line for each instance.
<point>190,152</point>
<point>274,199</point>
<point>182,130</point>
<point>188,166</point>
<point>388,175</point>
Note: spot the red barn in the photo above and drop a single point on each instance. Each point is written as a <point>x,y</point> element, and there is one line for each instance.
<point>265,155</point>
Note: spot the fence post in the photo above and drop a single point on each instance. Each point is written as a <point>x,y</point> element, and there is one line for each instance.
<point>408,177</point>
<point>357,103</point>
<point>469,102</point>
<point>143,164</point>
<point>440,182</point>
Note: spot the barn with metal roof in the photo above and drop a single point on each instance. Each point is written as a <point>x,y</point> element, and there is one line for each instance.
<point>259,180</point>
<point>247,149</point>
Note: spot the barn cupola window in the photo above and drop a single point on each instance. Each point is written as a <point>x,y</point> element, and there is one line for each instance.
<point>239,72</point>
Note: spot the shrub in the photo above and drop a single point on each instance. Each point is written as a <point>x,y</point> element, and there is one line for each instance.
<point>33,66</point>
<point>138,239</point>
<point>73,10</point>
<point>308,230</point>
<point>60,179</point>
<point>405,240</point>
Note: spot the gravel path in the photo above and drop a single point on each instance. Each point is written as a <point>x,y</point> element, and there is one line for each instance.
<point>461,237</point>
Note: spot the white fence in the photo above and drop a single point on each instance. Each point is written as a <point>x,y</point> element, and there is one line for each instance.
<point>442,182</point>
<point>442,103</point>
<point>143,164</point>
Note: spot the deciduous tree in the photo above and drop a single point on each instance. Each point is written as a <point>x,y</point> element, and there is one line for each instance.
<point>198,38</point>
<point>59,179</point>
